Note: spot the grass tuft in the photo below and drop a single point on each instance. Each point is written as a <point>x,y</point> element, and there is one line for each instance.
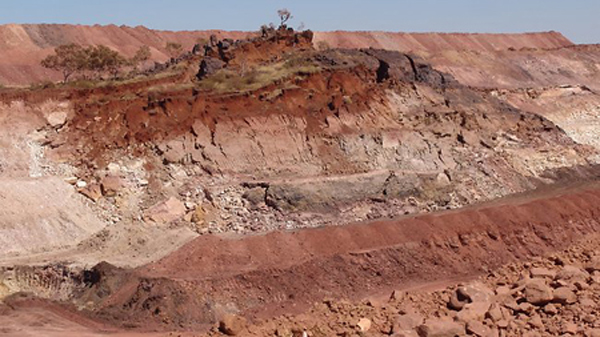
<point>229,81</point>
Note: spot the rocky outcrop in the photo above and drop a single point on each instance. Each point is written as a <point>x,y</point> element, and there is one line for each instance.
<point>209,66</point>
<point>326,193</point>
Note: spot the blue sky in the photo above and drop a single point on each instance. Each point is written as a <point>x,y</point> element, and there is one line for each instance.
<point>579,20</point>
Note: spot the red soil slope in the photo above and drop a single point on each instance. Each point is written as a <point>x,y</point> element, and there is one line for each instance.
<point>436,42</point>
<point>262,276</point>
<point>23,46</point>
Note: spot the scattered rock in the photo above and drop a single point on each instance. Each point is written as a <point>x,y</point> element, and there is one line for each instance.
<point>232,325</point>
<point>475,292</point>
<point>190,205</point>
<point>166,211</point>
<point>407,322</point>
<point>510,303</point>
<point>502,324</point>
<point>494,313</point>
<point>571,273</point>
<point>569,327</point>
<point>503,290</point>
<point>526,308</point>
<point>473,311</point>
<point>405,333</point>
<point>587,302</point>
<point>92,191</point>
<point>542,273</point>
<point>592,333</point>
<point>440,328</point>
<point>564,295</point>
<point>593,265</point>
<point>209,66</point>
<point>550,309</point>
<point>111,185</point>
<point>71,180</point>
<point>478,329</point>
<point>536,322</point>
<point>473,300</point>
<point>57,119</point>
<point>537,292</point>
<point>364,324</point>
<point>455,303</point>
<point>442,179</point>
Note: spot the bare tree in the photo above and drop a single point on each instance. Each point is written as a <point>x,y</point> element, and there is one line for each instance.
<point>284,15</point>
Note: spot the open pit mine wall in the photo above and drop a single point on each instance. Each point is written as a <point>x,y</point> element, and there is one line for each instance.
<point>22,47</point>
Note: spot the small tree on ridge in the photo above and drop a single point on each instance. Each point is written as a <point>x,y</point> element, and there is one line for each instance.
<point>68,59</point>
<point>141,55</point>
<point>102,59</point>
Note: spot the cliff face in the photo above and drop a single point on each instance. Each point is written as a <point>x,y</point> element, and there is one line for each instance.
<point>23,46</point>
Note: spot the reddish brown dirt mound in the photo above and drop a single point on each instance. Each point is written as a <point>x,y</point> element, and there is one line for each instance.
<point>286,271</point>
<point>27,317</point>
<point>436,42</point>
<point>525,68</point>
<point>22,47</point>
<point>504,302</point>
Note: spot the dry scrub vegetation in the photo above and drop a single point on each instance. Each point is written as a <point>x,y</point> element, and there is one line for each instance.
<point>228,81</point>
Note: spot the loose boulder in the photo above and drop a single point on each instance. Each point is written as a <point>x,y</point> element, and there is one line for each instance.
<point>542,273</point>
<point>441,328</point>
<point>92,191</point>
<point>364,324</point>
<point>537,292</point>
<point>110,186</point>
<point>209,66</point>
<point>407,322</point>
<point>166,211</point>
<point>232,325</point>
<point>564,295</point>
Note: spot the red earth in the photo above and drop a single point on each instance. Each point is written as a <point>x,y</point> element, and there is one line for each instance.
<point>23,46</point>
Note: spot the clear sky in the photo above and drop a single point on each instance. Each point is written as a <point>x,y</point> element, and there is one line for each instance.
<point>579,20</point>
